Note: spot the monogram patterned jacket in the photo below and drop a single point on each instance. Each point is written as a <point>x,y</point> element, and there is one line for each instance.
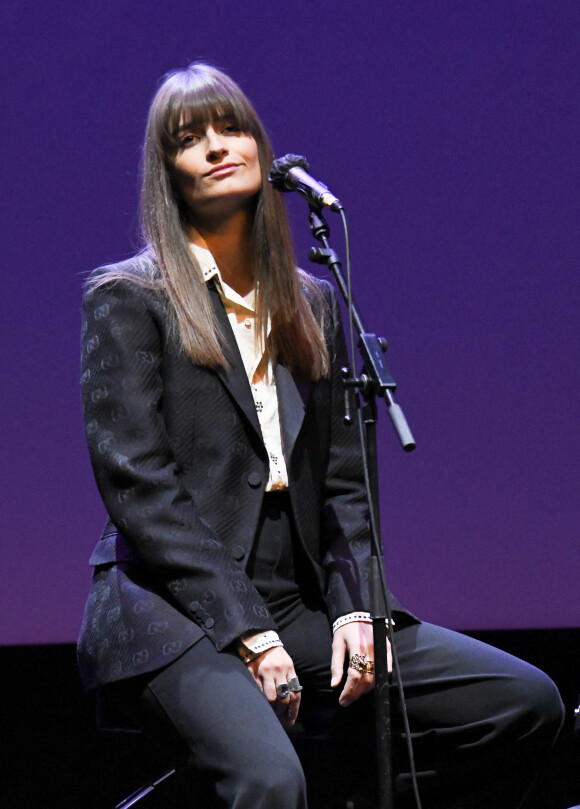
<point>180,463</point>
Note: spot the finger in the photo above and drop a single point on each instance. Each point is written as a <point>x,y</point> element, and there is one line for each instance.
<point>351,687</point>
<point>357,684</point>
<point>257,679</point>
<point>281,707</point>
<point>293,708</point>
<point>270,690</point>
<point>337,664</point>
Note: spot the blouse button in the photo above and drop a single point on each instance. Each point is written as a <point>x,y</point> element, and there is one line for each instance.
<point>248,323</point>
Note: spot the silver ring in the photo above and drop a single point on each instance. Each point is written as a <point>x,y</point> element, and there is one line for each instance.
<point>291,687</point>
<point>294,685</point>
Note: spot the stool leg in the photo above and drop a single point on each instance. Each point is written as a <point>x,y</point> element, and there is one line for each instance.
<point>144,790</point>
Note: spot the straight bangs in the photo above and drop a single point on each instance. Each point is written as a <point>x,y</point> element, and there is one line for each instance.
<point>195,99</point>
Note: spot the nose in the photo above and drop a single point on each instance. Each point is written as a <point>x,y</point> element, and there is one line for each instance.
<point>216,145</point>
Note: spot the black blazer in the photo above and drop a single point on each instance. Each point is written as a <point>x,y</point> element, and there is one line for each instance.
<point>181,466</point>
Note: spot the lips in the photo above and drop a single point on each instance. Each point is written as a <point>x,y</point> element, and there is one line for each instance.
<point>222,169</point>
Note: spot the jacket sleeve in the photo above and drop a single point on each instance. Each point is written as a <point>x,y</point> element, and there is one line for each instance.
<point>122,361</point>
<point>344,527</point>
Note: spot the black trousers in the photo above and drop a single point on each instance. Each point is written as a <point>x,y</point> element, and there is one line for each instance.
<point>481,720</point>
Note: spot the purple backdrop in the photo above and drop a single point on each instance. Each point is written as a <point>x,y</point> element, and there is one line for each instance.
<point>450,132</point>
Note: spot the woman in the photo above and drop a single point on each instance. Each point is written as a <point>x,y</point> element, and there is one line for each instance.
<point>232,572</point>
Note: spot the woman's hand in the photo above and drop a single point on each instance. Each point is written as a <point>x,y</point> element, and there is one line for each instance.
<point>273,668</point>
<point>350,639</point>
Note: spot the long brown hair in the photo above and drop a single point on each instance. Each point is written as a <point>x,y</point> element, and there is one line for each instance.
<point>198,95</point>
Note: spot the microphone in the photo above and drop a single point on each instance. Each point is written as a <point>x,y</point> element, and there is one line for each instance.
<point>290,173</point>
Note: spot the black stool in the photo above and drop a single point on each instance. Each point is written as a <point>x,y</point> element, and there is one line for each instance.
<point>111,720</point>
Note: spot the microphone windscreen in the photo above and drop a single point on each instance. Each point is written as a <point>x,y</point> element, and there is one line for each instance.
<point>280,168</point>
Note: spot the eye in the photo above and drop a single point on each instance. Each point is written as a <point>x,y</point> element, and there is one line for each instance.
<point>231,129</point>
<point>187,139</point>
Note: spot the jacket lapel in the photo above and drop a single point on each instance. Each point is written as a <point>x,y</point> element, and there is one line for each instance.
<point>293,394</point>
<point>234,378</point>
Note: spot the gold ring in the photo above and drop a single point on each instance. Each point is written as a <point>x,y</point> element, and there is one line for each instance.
<point>359,662</point>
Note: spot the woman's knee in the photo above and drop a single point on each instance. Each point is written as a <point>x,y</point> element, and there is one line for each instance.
<point>272,781</point>
<point>528,708</point>
<point>544,706</point>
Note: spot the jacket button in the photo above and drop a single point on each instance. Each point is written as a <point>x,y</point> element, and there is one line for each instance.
<point>254,479</point>
<point>239,552</point>
<point>208,623</point>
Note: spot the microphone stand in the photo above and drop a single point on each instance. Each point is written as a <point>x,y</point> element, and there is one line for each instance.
<point>374,381</point>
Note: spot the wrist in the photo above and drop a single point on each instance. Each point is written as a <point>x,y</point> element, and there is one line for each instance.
<point>250,647</point>
<point>362,617</point>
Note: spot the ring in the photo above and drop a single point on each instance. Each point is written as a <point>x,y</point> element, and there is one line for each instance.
<point>292,686</point>
<point>282,690</point>
<point>359,662</point>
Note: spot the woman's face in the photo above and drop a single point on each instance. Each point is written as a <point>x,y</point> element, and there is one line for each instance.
<point>217,168</point>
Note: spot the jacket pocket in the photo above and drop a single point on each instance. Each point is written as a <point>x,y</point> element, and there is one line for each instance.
<point>111,548</point>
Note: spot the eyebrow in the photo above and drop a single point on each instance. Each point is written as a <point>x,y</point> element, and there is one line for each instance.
<point>190,125</point>
<point>201,123</point>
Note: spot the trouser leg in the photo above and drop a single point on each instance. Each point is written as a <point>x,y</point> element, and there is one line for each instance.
<point>481,720</point>
<point>207,705</point>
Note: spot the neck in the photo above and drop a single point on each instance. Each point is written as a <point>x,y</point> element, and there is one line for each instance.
<point>230,242</point>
